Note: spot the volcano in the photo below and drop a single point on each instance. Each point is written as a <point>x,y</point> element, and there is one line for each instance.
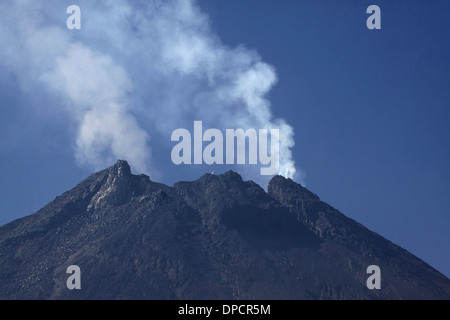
<point>218,237</point>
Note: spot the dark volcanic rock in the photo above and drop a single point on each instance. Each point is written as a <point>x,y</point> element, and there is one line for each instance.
<point>218,237</point>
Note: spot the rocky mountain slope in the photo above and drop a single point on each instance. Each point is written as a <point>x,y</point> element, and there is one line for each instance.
<point>218,237</point>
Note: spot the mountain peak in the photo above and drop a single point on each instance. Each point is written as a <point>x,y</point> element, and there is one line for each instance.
<point>118,186</point>
<point>121,168</point>
<point>232,175</point>
<point>285,190</point>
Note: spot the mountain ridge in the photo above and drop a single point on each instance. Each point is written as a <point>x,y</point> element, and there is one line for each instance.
<point>217,237</point>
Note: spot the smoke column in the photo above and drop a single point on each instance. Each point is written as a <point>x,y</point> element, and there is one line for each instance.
<point>137,69</point>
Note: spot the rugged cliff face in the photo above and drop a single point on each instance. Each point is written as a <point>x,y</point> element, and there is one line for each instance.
<point>218,237</point>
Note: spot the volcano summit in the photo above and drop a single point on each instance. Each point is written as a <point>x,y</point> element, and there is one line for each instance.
<point>218,237</point>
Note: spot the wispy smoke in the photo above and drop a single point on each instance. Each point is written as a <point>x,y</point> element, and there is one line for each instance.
<point>97,91</point>
<point>135,69</point>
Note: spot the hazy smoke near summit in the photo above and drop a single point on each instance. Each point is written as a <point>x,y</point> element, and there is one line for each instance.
<point>136,71</point>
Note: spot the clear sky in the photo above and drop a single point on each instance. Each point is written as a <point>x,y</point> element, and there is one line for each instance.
<point>369,109</point>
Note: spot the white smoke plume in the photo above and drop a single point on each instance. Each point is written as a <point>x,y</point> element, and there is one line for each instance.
<point>138,69</point>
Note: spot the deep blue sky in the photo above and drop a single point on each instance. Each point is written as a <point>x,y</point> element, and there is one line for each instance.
<point>370,109</point>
